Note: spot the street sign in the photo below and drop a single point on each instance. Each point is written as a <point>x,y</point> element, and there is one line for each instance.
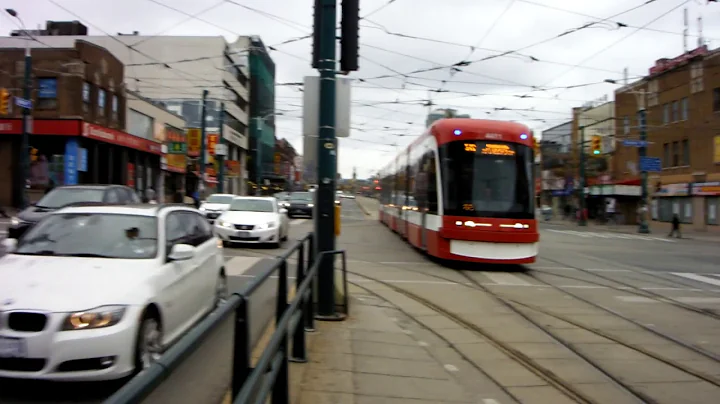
<point>221,149</point>
<point>635,143</point>
<point>650,164</point>
<point>23,103</point>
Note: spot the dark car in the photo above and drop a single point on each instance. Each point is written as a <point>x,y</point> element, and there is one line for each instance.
<point>300,204</point>
<point>67,195</point>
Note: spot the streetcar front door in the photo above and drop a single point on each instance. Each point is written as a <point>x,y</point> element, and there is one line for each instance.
<point>423,231</point>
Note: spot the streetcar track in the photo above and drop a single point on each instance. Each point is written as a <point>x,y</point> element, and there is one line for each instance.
<point>528,363</point>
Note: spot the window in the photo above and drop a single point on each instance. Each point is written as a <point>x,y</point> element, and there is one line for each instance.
<point>101,102</point>
<point>686,152</point>
<point>716,99</point>
<point>251,205</point>
<point>696,78</point>
<point>684,106</point>
<point>666,114</point>
<point>680,205</point>
<point>114,115</point>
<point>60,197</point>
<point>140,125</point>
<point>86,97</point>
<point>626,125</point>
<point>675,111</point>
<point>487,179</point>
<point>47,93</point>
<point>675,154</point>
<point>666,155</point>
<point>220,199</point>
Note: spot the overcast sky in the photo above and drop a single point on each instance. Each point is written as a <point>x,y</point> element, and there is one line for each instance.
<point>408,46</point>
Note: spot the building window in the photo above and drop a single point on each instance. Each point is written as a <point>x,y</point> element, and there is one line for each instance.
<point>86,97</point>
<point>666,114</point>
<point>666,155</point>
<point>684,109</point>
<point>114,107</point>
<point>101,102</point>
<point>675,154</point>
<point>686,152</point>
<point>47,93</point>
<point>696,78</point>
<point>626,125</point>
<point>675,111</point>
<point>716,99</point>
<point>140,125</point>
<point>652,98</point>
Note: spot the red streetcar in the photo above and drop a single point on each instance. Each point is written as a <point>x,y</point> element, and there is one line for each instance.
<point>464,191</point>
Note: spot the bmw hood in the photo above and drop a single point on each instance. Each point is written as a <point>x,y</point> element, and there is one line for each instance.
<point>34,214</point>
<point>67,284</point>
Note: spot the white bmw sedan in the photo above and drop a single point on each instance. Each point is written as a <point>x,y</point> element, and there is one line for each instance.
<point>99,292</point>
<point>253,220</point>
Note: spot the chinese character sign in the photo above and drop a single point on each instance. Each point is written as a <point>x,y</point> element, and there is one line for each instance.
<point>193,142</point>
<point>212,140</point>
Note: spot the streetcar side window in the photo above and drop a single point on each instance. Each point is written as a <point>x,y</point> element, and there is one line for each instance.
<point>432,192</point>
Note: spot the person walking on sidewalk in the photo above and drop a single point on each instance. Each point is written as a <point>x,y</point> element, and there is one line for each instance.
<point>675,226</point>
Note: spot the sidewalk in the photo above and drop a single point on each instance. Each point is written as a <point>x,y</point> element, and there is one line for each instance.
<point>379,356</point>
<point>655,228</point>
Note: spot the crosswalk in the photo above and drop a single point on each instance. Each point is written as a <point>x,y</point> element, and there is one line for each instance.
<point>296,222</point>
<point>710,279</point>
<point>610,235</point>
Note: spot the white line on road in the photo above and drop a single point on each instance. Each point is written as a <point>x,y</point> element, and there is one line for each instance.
<point>298,221</point>
<point>689,300</point>
<point>506,279</point>
<point>490,401</point>
<point>698,278</point>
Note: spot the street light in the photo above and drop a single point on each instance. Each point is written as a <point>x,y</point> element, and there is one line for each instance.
<point>258,150</point>
<point>26,112</point>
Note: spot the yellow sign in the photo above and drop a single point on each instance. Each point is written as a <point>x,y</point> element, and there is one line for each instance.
<point>176,163</point>
<point>212,140</point>
<point>716,155</point>
<point>193,141</point>
<point>498,150</point>
<point>470,147</point>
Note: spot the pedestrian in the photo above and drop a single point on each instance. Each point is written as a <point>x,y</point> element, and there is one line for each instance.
<point>675,226</point>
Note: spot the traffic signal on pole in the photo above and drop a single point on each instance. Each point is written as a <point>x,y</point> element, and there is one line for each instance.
<point>4,101</point>
<point>350,35</point>
<point>317,22</point>
<point>596,145</point>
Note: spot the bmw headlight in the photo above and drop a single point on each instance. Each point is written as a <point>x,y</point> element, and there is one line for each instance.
<point>100,317</point>
<point>310,205</point>
<point>14,221</point>
<point>225,224</point>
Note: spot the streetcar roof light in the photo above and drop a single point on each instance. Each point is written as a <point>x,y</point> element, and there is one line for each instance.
<point>523,136</point>
<point>457,132</point>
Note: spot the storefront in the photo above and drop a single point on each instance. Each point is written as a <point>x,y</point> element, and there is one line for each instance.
<point>174,163</point>
<point>696,204</point>
<point>70,152</point>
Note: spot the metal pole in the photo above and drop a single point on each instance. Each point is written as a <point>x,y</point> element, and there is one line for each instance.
<point>203,137</point>
<point>26,125</point>
<point>221,159</point>
<point>327,163</point>
<point>258,156</point>
<point>642,152</point>
<point>581,185</point>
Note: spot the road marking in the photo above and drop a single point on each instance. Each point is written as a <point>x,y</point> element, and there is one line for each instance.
<point>423,343</point>
<point>451,368</point>
<point>490,401</point>
<point>238,265</point>
<point>507,279</point>
<point>689,300</point>
<point>298,221</point>
<point>607,235</point>
<point>699,278</point>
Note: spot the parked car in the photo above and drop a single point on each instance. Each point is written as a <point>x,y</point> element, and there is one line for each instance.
<point>215,205</point>
<point>301,204</point>
<point>253,220</point>
<point>100,292</point>
<point>67,195</point>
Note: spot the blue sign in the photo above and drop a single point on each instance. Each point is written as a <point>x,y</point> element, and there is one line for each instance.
<point>650,164</point>
<point>47,88</point>
<point>23,103</point>
<point>71,157</point>
<point>635,143</point>
<point>83,160</point>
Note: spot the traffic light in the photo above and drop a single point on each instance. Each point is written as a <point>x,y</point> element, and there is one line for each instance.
<point>596,145</point>
<point>349,35</point>
<point>4,101</point>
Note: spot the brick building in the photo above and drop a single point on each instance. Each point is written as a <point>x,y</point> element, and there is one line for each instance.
<point>682,99</point>
<point>284,164</point>
<point>78,132</point>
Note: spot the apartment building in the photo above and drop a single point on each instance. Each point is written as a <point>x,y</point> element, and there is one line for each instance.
<point>682,100</point>
<point>176,70</point>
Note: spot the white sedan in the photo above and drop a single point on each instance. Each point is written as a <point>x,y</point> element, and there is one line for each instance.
<point>98,293</point>
<point>253,220</point>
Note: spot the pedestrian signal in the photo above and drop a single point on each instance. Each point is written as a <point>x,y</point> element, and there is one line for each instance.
<point>596,145</point>
<point>4,101</point>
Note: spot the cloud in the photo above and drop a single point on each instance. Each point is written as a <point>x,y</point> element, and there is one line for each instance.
<point>528,85</point>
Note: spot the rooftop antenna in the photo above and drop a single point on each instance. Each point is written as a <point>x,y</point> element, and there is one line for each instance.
<point>625,76</point>
<point>685,30</point>
<point>701,40</point>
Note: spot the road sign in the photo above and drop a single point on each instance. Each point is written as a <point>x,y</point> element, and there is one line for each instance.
<point>650,164</point>
<point>635,143</point>
<point>23,103</point>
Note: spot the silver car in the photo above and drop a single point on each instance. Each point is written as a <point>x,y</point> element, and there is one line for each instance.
<point>215,205</point>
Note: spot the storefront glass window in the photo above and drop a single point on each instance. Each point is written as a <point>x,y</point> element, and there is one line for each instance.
<point>101,102</point>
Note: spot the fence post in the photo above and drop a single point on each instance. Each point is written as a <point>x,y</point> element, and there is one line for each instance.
<point>310,307</point>
<point>299,353</point>
<point>281,388</point>
<point>241,347</point>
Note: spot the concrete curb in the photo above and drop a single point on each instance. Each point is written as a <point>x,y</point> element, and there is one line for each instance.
<point>618,231</point>
<point>365,211</point>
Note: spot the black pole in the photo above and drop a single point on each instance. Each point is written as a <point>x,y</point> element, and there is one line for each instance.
<point>221,157</point>
<point>26,128</point>
<point>581,180</point>
<point>327,147</point>
<point>203,137</point>
<point>642,153</point>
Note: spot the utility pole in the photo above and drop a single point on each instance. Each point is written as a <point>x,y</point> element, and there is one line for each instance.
<point>258,156</point>
<point>642,153</point>
<point>581,185</point>
<point>203,139</point>
<point>221,151</point>
<point>26,116</point>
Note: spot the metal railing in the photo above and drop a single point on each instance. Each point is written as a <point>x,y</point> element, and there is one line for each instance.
<point>270,377</point>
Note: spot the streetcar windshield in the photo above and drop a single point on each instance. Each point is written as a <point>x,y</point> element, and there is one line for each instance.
<point>487,179</point>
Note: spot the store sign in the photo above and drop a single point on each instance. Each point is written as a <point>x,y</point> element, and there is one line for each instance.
<point>706,188</point>
<point>716,150</point>
<point>117,137</point>
<point>71,157</point>
<point>176,163</point>
<point>130,175</point>
<point>232,168</point>
<point>193,142</point>
<point>212,140</point>
<point>177,148</point>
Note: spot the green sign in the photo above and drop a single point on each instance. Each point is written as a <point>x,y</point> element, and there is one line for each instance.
<point>177,148</point>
